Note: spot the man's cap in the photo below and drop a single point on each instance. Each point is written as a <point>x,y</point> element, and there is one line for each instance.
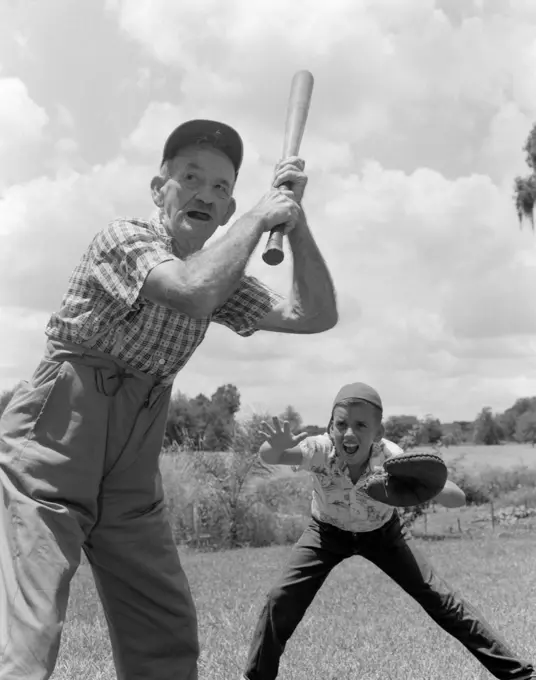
<point>359,391</point>
<point>220,136</point>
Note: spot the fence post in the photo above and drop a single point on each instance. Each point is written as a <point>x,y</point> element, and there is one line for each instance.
<point>195,523</point>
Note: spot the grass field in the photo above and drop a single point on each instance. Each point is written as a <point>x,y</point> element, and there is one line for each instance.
<point>503,455</point>
<point>360,626</point>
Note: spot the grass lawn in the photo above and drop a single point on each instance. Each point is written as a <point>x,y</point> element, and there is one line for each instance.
<point>503,455</point>
<point>360,626</point>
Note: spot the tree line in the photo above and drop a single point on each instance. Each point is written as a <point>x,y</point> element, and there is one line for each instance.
<point>210,423</point>
<point>516,424</point>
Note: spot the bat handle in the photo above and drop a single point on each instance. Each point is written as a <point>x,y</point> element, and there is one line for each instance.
<point>273,253</point>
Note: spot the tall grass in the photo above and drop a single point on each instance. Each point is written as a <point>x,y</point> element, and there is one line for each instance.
<point>222,500</point>
<point>207,511</point>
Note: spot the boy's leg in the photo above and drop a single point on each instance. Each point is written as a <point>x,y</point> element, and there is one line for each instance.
<point>318,551</point>
<point>50,456</point>
<point>145,594</point>
<point>394,551</point>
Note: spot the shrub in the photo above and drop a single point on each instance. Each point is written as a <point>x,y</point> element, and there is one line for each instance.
<point>234,502</point>
<point>489,483</point>
<point>287,495</point>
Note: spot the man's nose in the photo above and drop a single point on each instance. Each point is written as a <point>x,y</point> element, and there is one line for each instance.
<point>204,195</point>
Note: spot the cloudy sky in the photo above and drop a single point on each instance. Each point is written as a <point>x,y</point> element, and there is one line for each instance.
<point>418,119</point>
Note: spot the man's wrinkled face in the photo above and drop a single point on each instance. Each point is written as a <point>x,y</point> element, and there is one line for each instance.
<point>354,428</point>
<point>197,198</point>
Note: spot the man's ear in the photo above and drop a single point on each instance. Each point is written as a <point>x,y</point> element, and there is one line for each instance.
<point>230,212</point>
<point>156,191</point>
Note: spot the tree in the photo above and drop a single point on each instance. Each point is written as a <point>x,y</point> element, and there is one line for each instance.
<point>227,474</point>
<point>314,430</point>
<point>227,400</point>
<point>203,423</point>
<point>452,434</point>
<point>466,429</point>
<point>525,187</point>
<point>526,427</point>
<point>412,438</point>
<point>293,417</point>
<point>487,429</point>
<point>224,404</point>
<point>508,420</point>
<point>431,430</point>
<point>397,427</point>
<point>179,424</point>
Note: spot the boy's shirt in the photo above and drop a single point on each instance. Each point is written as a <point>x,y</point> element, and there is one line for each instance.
<point>336,500</point>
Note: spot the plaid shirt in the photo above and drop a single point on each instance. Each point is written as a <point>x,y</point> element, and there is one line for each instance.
<point>336,499</point>
<point>103,308</point>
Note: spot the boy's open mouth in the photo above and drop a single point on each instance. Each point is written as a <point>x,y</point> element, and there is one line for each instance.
<point>350,449</point>
<point>198,215</point>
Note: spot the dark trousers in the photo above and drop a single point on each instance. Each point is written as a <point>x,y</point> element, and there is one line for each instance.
<point>391,548</point>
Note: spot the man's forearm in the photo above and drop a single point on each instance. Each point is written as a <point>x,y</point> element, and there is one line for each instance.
<point>313,294</point>
<point>217,269</point>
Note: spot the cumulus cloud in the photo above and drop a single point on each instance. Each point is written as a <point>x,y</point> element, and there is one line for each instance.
<point>419,115</point>
<point>21,346</point>
<point>22,123</point>
<point>403,82</point>
<point>47,222</point>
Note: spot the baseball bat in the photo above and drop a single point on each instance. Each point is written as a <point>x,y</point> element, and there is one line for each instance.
<point>299,101</point>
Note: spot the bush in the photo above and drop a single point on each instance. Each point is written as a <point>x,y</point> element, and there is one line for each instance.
<point>522,497</point>
<point>225,498</point>
<point>410,515</point>
<point>207,494</point>
<point>181,489</point>
<point>260,527</point>
<point>490,483</point>
<point>287,495</point>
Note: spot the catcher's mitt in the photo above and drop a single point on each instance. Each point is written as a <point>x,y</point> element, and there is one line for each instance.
<point>408,479</point>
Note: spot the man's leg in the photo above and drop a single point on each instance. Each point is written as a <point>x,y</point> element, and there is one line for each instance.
<point>318,551</point>
<point>394,552</point>
<point>144,591</point>
<point>49,478</point>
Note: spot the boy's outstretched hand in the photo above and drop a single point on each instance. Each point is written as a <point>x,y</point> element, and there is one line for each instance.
<point>281,439</point>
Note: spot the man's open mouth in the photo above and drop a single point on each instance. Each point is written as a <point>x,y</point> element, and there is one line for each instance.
<point>350,449</point>
<point>198,215</point>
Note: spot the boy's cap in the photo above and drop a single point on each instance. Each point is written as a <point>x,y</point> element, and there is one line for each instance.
<point>360,391</point>
<point>219,135</point>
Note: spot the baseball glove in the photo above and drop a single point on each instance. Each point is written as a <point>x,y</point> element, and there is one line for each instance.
<point>408,479</point>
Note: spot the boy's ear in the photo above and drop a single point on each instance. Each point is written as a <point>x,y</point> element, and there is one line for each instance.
<point>156,191</point>
<point>381,433</point>
<point>230,211</point>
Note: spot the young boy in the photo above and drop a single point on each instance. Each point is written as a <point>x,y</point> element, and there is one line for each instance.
<point>346,522</point>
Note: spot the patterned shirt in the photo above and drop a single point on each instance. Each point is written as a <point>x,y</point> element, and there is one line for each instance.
<point>336,499</point>
<point>103,308</point>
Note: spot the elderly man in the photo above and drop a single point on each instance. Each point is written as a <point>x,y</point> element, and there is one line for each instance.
<point>80,441</point>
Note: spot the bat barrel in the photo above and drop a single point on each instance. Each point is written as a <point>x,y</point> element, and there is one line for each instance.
<point>301,90</point>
